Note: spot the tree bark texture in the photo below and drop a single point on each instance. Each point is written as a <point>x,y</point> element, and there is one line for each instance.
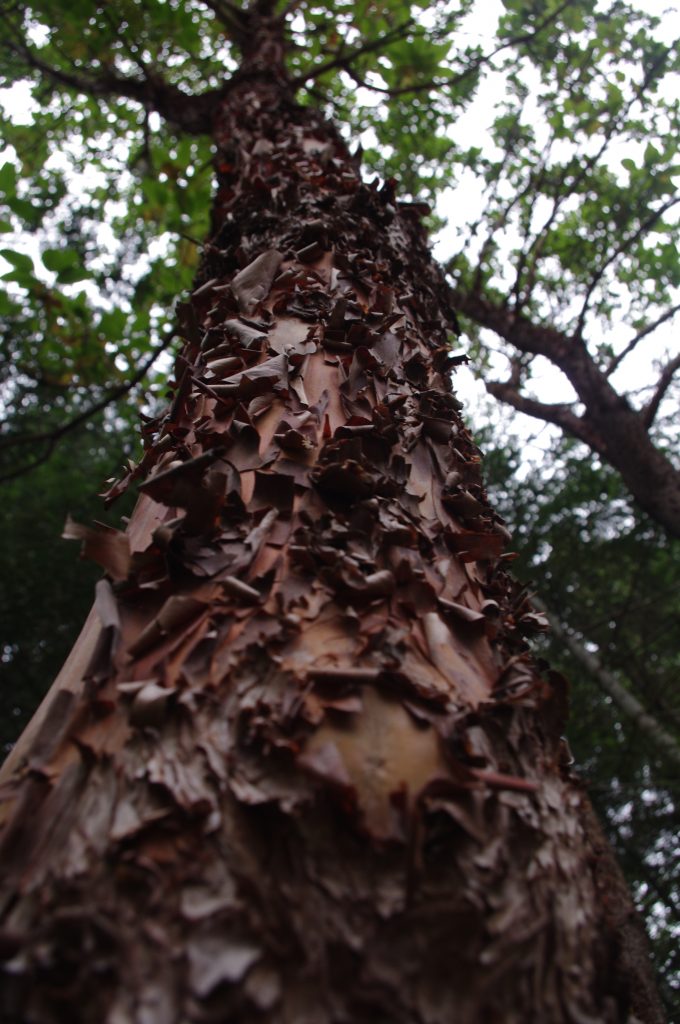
<point>311,773</point>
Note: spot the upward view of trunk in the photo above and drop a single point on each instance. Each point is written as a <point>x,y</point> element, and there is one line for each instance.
<point>301,767</point>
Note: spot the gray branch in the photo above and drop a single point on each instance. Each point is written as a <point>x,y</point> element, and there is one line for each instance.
<point>628,704</point>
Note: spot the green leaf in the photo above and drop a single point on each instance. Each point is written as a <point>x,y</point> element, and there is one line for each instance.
<point>19,260</point>
<point>6,304</point>
<point>8,179</point>
<point>72,274</point>
<point>25,209</point>
<point>59,259</point>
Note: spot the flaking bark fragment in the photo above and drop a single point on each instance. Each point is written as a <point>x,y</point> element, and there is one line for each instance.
<point>252,284</point>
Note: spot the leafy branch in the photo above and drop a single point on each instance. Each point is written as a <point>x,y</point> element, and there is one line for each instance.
<point>531,255</point>
<point>620,250</point>
<point>344,60</point>
<point>450,80</point>
<point>192,114</point>
<point>52,437</point>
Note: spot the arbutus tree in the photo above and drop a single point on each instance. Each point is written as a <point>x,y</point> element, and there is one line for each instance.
<point>300,765</point>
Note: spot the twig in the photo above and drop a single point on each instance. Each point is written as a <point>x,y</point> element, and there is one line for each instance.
<point>341,61</point>
<point>617,360</point>
<point>650,410</point>
<point>649,221</point>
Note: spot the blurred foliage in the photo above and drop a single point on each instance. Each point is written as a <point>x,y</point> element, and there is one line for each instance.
<point>45,594</point>
<point>567,216</point>
<point>613,578</point>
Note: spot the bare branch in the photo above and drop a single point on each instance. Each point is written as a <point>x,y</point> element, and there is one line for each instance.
<point>649,329</point>
<point>664,382</point>
<point>561,414</point>
<point>626,702</point>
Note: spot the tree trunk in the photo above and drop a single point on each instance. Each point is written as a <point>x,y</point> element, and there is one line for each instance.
<point>310,773</point>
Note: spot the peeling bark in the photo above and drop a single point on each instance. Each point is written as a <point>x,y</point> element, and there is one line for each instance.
<point>311,772</point>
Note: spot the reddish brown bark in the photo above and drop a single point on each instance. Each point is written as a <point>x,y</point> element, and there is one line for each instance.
<point>310,773</point>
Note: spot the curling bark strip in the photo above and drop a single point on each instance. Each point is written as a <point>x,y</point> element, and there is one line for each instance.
<point>310,772</point>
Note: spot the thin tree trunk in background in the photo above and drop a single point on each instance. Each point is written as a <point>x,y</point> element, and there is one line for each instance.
<point>627,703</point>
<point>313,775</point>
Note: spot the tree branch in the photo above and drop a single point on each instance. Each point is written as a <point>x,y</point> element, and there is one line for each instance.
<point>650,410</point>
<point>610,425</point>
<point>52,437</point>
<point>560,414</point>
<point>534,339</point>
<point>341,61</point>
<point>628,704</point>
<point>231,17</point>
<point>617,360</point>
<point>619,251</point>
<point>192,114</point>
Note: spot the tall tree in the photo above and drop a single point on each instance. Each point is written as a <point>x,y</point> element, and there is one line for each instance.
<point>301,764</point>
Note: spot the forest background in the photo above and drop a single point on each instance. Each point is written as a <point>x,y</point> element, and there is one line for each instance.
<point>543,136</point>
